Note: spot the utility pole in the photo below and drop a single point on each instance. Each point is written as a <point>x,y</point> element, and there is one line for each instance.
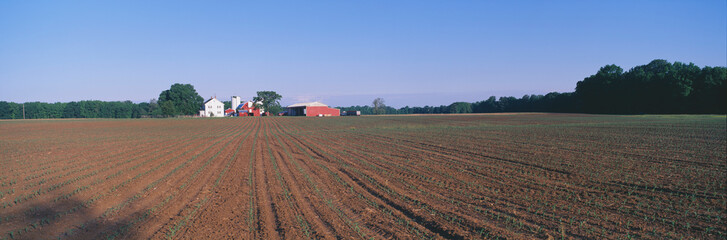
<point>23,110</point>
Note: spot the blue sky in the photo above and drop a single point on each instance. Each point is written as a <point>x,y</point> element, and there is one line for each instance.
<point>343,53</point>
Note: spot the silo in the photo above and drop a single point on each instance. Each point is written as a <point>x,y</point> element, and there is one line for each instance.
<point>235,102</point>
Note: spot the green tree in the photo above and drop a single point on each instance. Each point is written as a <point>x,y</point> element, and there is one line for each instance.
<point>10,110</point>
<point>596,91</point>
<point>378,106</point>
<point>710,91</point>
<point>89,109</point>
<point>460,107</point>
<point>72,110</point>
<point>168,109</point>
<point>184,99</point>
<point>487,106</point>
<point>270,101</point>
<point>123,109</point>
<point>154,109</point>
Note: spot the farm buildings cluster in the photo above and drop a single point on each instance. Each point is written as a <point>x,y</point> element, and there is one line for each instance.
<point>216,108</point>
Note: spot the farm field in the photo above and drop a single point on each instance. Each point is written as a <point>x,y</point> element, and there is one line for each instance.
<point>506,176</point>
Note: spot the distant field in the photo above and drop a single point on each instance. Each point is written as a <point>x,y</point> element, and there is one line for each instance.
<point>445,176</point>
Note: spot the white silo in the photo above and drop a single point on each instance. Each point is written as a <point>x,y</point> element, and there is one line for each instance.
<point>235,102</point>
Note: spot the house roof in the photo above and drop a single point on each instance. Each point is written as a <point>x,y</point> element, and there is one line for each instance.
<point>308,104</point>
<point>214,98</point>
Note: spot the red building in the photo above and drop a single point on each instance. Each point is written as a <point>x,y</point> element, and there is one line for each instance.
<point>312,109</point>
<point>249,109</point>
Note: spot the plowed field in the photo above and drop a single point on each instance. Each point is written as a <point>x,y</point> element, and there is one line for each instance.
<point>508,176</point>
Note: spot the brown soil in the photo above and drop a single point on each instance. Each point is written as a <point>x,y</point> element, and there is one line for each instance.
<point>511,176</point>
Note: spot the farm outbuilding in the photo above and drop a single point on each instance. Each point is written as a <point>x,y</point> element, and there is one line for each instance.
<point>312,109</point>
<point>249,109</point>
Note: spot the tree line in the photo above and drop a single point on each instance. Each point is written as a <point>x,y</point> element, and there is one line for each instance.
<point>657,87</point>
<point>180,99</point>
<point>551,102</point>
<point>81,109</point>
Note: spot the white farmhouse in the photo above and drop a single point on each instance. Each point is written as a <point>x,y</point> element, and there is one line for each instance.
<point>213,108</point>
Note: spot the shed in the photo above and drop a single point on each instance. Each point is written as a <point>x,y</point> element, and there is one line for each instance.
<point>312,109</point>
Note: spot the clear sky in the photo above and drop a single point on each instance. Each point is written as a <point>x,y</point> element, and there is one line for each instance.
<point>343,53</point>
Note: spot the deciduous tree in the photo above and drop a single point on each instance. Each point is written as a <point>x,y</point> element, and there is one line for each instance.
<point>269,101</point>
<point>183,97</point>
<point>378,106</point>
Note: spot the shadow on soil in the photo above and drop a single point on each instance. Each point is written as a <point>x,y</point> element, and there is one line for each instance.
<point>66,219</point>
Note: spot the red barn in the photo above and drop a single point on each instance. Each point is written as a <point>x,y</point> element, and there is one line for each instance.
<point>249,109</point>
<point>312,109</point>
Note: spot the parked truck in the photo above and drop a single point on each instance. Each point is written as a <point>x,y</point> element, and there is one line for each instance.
<point>350,113</point>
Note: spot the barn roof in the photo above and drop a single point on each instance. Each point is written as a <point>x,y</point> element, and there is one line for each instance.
<point>243,105</point>
<point>308,104</point>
